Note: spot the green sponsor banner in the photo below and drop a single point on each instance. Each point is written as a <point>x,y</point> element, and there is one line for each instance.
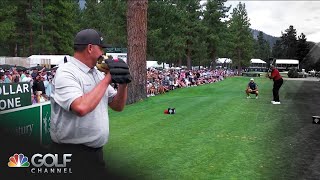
<point>29,121</point>
<point>23,122</point>
<point>14,95</point>
<point>46,113</point>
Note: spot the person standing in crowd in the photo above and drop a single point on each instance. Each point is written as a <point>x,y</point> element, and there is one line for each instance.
<point>15,76</point>
<point>277,83</point>
<point>7,77</point>
<point>22,74</point>
<point>27,78</point>
<point>48,84</point>
<point>39,89</point>
<point>34,73</point>
<point>38,85</point>
<point>252,88</point>
<point>1,77</point>
<point>80,98</point>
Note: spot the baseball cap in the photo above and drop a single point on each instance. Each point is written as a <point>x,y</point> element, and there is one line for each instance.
<point>251,79</point>
<point>90,36</point>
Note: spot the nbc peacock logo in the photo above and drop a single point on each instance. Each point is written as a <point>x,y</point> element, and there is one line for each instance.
<point>18,160</point>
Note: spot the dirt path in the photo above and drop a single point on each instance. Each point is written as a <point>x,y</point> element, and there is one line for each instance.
<point>303,79</point>
<point>306,141</point>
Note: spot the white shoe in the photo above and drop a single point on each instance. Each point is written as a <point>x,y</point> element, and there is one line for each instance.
<point>276,102</point>
<point>248,97</point>
<point>256,97</point>
<point>272,102</point>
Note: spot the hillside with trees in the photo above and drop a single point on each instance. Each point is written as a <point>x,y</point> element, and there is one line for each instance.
<point>270,39</point>
<point>180,33</point>
<point>293,46</point>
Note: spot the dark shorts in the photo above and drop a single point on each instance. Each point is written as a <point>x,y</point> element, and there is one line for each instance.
<point>85,160</point>
<point>253,92</point>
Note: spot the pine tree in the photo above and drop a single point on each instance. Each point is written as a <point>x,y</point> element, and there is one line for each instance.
<point>302,47</point>
<point>191,13</point>
<point>215,28</point>
<point>166,24</point>
<point>262,48</point>
<point>241,37</point>
<point>7,26</point>
<point>114,24</point>
<point>289,42</point>
<point>277,50</point>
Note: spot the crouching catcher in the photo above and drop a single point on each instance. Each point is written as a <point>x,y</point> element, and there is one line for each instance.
<point>252,88</point>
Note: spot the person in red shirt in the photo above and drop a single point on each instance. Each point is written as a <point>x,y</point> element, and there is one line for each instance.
<point>277,83</point>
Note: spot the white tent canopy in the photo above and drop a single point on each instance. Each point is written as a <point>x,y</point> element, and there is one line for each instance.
<point>47,59</point>
<point>155,64</point>
<point>257,61</point>
<point>223,60</point>
<point>287,61</point>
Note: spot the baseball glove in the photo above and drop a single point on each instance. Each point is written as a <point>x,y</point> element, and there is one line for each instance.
<point>118,69</point>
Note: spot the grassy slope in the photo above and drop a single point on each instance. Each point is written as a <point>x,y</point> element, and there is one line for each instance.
<point>216,133</point>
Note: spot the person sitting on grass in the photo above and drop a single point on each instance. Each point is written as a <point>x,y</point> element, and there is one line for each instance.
<point>252,88</point>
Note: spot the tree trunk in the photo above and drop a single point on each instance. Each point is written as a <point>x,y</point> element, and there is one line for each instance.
<point>214,64</point>
<point>180,62</point>
<point>137,46</point>
<point>16,50</point>
<point>188,55</point>
<point>239,61</point>
<point>30,32</point>
<point>42,17</point>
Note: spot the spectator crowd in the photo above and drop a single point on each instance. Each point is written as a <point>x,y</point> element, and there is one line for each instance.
<point>162,81</point>
<point>159,81</point>
<point>39,79</point>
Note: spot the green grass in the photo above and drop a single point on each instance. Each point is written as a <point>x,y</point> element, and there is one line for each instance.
<point>216,133</point>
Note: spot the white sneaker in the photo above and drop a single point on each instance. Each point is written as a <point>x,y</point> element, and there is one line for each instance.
<point>256,97</point>
<point>248,97</point>
<point>276,103</point>
<point>272,102</point>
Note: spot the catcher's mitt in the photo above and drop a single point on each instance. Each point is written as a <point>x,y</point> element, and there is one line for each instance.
<point>118,69</point>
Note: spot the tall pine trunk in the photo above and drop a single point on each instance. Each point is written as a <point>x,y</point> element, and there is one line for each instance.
<point>213,56</point>
<point>137,46</point>
<point>30,32</point>
<point>189,55</point>
<point>239,61</point>
<point>180,62</point>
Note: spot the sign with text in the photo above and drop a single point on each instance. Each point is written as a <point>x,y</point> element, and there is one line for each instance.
<point>22,122</point>
<point>14,95</point>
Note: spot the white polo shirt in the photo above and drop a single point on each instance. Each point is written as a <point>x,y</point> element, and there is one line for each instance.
<point>72,80</point>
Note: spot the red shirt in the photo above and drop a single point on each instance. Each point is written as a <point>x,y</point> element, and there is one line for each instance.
<point>275,75</point>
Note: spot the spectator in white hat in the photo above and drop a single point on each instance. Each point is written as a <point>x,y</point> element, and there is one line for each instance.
<point>252,88</point>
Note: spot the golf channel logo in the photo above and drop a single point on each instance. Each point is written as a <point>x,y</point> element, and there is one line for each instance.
<point>48,163</point>
<point>18,160</point>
